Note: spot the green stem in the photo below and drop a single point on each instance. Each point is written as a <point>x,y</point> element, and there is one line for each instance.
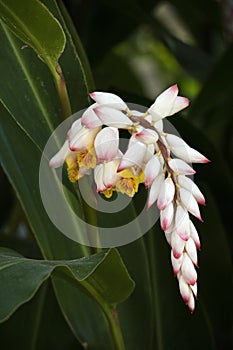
<point>111,315</point>
<point>108,310</point>
<point>61,88</point>
<point>90,216</point>
<point>114,324</point>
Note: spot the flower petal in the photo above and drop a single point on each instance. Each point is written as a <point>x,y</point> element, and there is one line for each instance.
<point>113,117</point>
<point>106,144</point>
<point>191,303</point>
<point>152,169</point>
<point>185,290</point>
<point>147,136</point>
<point>59,158</point>
<point>190,203</point>
<point>182,223</point>
<point>166,193</point>
<point>191,250</point>
<point>189,185</point>
<point>164,103</point>
<point>90,118</point>
<point>98,177</point>
<point>75,128</point>
<point>176,263</point>
<point>194,234</point>
<point>179,104</point>
<point>159,125</point>
<point>109,99</point>
<point>180,167</point>
<point>166,216</point>
<point>177,245</point>
<point>83,139</point>
<point>188,271</point>
<point>110,175</point>
<point>155,189</point>
<point>133,156</point>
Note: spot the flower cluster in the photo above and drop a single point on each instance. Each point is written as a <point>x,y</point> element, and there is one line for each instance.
<point>160,160</point>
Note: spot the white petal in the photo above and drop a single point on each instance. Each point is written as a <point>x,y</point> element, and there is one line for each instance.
<point>180,167</point>
<point>168,235</point>
<point>166,193</point>
<point>191,303</point>
<point>75,128</point>
<point>194,289</point>
<point>83,139</point>
<point>149,118</point>
<point>166,216</point>
<point>110,176</point>
<point>188,271</point>
<point>175,141</point>
<point>182,150</point>
<point>185,290</point>
<point>164,103</point>
<point>176,263</point>
<point>189,185</point>
<point>177,245</point>
<point>191,250</point>
<point>186,153</point>
<point>182,222</point>
<point>159,125</point>
<point>109,99</point>
<point>133,156</point>
<point>98,177</point>
<point>194,234</point>
<point>113,117</point>
<point>155,189</point>
<point>150,151</point>
<point>193,156</point>
<point>106,144</point>
<point>190,203</point>
<point>147,136</point>
<point>179,104</point>
<point>90,118</point>
<point>152,169</point>
<point>59,158</point>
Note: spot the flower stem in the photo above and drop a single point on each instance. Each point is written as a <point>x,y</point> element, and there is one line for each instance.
<point>61,88</point>
<point>112,318</point>
<point>115,329</point>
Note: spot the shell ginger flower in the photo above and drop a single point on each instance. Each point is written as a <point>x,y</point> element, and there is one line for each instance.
<point>160,161</point>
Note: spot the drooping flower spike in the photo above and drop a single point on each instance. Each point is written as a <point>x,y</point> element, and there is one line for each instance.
<point>160,161</point>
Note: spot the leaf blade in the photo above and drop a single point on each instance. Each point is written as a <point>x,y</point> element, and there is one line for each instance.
<point>21,278</point>
<point>25,19</point>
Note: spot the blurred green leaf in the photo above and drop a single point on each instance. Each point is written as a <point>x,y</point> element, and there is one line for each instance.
<point>205,21</point>
<point>21,278</point>
<point>26,20</point>
<point>216,91</point>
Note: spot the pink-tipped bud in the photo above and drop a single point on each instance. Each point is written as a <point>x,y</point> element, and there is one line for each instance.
<point>166,216</point>
<point>180,167</point>
<point>166,193</point>
<point>188,271</point>
<point>177,245</point>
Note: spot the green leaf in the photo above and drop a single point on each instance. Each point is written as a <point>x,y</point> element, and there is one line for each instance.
<point>97,275</point>
<point>216,91</point>
<point>42,319</point>
<point>27,20</point>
